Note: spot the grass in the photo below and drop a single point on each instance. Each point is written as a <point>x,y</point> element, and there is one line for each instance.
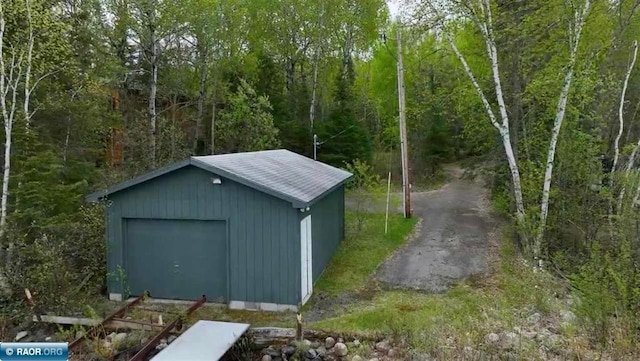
<point>256,319</point>
<point>364,248</point>
<point>444,324</point>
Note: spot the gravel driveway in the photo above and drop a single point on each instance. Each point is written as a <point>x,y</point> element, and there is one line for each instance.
<point>452,243</point>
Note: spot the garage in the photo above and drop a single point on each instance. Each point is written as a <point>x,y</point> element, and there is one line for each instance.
<point>252,230</point>
<point>179,259</point>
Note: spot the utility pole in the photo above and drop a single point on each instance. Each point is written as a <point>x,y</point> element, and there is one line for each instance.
<point>406,191</point>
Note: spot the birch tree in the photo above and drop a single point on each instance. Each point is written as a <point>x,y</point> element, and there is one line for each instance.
<point>575,31</point>
<point>481,15</point>
<point>17,84</point>
<point>632,158</point>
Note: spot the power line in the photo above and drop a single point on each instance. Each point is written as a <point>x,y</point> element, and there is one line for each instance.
<point>317,144</point>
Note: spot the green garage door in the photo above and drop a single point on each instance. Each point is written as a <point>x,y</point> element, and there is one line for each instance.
<point>176,259</point>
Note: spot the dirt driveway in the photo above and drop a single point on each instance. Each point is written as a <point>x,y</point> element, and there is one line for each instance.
<point>452,243</point>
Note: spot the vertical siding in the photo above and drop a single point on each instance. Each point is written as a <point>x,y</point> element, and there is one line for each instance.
<point>327,228</point>
<point>262,229</point>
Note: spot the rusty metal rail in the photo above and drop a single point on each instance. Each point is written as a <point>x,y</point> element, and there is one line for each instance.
<point>94,330</point>
<point>177,324</point>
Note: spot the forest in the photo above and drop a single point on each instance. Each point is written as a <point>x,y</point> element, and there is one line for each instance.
<point>547,92</point>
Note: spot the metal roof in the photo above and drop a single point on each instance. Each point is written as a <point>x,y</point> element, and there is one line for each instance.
<point>204,341</point>
<point>280,173</point>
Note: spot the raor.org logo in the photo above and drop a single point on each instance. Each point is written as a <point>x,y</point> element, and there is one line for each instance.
<point>9,352</point>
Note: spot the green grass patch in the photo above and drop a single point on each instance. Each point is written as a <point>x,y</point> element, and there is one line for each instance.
<point>365,247</point>
<point>466,313</point>
<point>256,319</point>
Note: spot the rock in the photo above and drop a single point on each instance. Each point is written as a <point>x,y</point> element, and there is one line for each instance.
<point>271,352</point>
<point>163,343</point>
<point>278,358</point>
<point>111,336</point>
<point>120,337</point>
<point>469,352</point>
<point>21,335</point>
<point>529,335</point>
<point>340,340</point>
<point>548,336</point>
<point>393,353</point>
<point>510,340</point>
<point>310,354</point>
<point>329,357</point>
<point>329,343</point>
<point>340,349</point>
<point>356,358</point>
<point>356,343</point>
<point>107,345</point>
<point>266,358</point>
<point>288,351</point>
<point>48,338</point>
<point>321,351</point>
<point>567,317</point>
<point>307,343</point>
<point>374,359</point>
<point>535,318</point>
<point>171,338</point>
<point>383,346</point>
<point>491,338</point>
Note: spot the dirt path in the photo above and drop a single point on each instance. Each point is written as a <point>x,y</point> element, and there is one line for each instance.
<point>452,243</point>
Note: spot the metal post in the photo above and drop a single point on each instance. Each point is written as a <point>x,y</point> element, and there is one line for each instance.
<point>315,146</point>
<point>403,129</point>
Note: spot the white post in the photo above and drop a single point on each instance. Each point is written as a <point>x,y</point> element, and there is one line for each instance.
<point>386,216</point>
<point>315,146</point>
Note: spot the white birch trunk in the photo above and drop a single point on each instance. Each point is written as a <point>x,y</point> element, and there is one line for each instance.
<point>202,82</point>
<point>580,19</point>
<point>9,81</point>
<point>153,89</point>
<point>312,107</point>
<point>502,126</point>
<point>214,104</point>
<point>27,75</point>
<point>621,125</point>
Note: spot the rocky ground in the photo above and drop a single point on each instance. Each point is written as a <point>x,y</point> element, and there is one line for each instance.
<point>335,349</point>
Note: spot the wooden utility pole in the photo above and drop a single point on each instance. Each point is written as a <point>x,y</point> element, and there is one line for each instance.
<point>406,191</point>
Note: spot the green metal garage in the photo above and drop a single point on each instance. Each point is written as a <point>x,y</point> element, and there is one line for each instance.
<point>254,230</point>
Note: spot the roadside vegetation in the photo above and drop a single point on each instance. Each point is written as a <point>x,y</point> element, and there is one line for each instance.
<point>546,91</point>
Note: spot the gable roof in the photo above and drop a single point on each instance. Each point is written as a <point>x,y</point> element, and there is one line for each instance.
<point>280,173</point>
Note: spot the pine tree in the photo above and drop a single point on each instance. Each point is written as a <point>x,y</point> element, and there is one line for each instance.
<point>346,138</point>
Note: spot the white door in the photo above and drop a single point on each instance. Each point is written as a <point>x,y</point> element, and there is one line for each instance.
<point>306,258</point>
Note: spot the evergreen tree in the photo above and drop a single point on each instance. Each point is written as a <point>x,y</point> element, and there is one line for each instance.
<point>343,138</point>
<point>246,124</point>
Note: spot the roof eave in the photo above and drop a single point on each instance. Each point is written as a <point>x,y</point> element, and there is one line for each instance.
<point>223,173</point>
<point>96,196</point>
<point>328,191</point>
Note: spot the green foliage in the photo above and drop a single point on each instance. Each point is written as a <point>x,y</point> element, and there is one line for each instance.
<point>363,175</point>
<point>363,250</point>
<point>608,293</point>
<point>343,137</point>
<point>246,124</point>
<point>62,262</point>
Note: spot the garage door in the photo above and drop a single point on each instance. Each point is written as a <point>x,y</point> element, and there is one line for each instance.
<point>176,259</point>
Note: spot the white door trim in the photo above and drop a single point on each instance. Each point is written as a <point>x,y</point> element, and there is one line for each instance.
<point>306,259</point>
